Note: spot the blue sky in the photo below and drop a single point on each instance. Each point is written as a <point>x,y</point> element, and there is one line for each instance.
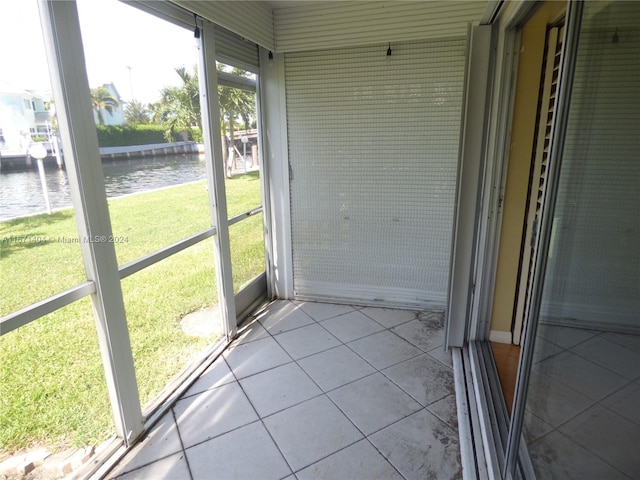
<point>115,36</point>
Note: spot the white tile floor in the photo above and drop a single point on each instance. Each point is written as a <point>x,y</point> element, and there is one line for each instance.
<point>583,407</point>
<point>312,390</point>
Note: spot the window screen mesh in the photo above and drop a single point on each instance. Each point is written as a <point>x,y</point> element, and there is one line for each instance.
<point>373,152</point>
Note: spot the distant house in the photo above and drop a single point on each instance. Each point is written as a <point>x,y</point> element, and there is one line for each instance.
<point>23,117</point>
<point>116,116</point>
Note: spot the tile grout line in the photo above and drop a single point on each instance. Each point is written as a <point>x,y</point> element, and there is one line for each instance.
<point>261,420</point>
<point>326,393</point>
<point>423,407</point>
<point>576,414</point>
<point>228,431</point>
<point>403,390</point>
<point>364,436</point>
<point>606,367</point>
<point>635,348</point>
<point>323,393</point>
<point>610,409</point>
<point>124,461</point>
<point>437,359</point>
<point>556,430</point>
<point>330,455</point>
<point>367,437</point>
<point>384,456</point>
<point>139,467</point>
<point>184,450</point>
<point>594,401</point>
<point>296,361</point>
<point>332,317</point>
<point>322,390</point>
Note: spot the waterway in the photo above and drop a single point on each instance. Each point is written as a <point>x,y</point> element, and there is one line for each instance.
<point>21,192</point>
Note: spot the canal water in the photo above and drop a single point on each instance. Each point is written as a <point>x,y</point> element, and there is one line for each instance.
<point>21,192</point>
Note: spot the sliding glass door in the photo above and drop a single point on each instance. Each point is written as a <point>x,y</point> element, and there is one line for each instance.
<point>577,393</point>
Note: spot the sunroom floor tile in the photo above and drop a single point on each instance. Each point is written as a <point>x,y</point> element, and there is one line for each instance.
<point>300,395</point>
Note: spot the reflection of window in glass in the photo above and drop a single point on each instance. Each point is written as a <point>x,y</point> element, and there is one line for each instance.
<point>586,350</point>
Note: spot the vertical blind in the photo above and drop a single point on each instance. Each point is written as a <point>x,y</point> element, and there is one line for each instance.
<point>373,153</point>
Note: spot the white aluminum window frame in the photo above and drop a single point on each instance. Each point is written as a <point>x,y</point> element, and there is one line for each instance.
<point>250,296</point>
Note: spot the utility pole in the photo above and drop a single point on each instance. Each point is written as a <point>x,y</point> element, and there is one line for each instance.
<point>130,83</point>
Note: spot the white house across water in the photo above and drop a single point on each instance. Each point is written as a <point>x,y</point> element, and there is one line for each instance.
<point>22,117</point>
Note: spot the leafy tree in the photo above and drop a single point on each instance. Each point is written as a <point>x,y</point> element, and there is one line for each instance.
<point>179,107</point>
<point>136,113</point>
<point>101,100</point>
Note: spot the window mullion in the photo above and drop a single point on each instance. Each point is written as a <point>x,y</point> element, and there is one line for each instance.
<point>215,174</point>
<point>72,97</point>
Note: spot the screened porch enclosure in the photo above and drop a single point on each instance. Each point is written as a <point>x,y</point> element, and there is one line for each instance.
<point>355,342</point>
<point>366,222</point>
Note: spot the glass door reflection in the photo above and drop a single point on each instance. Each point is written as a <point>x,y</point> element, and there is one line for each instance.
<point>581,417</point>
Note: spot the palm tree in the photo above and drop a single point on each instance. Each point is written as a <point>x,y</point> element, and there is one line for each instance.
<point>101,100</point>
<point>136,112</point>
<point>179,107</point>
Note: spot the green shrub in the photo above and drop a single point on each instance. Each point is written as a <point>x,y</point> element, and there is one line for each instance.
<point>124,135</point>
<point>142,134</point>
<point>195,135</point>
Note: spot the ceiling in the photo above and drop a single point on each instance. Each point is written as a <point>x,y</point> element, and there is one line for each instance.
<point>294,3</point>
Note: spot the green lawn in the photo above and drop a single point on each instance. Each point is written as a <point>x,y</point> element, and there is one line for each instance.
<point>52,388</point>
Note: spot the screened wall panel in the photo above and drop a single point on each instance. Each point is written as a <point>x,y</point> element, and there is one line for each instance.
<point>373,150</point>
<point>593,275</point>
